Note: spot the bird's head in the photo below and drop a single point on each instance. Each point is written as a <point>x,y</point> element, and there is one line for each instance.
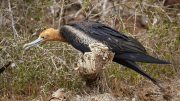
<point>49,34</point>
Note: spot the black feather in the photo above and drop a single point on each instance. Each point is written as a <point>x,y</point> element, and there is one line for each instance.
<point>132,65</point>
<point>138,57</point>
<point>127,49</point>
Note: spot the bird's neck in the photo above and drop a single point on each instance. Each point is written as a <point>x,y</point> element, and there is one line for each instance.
<point>57,36</point>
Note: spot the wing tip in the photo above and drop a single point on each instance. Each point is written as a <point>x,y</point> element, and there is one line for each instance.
<point>163,62</point>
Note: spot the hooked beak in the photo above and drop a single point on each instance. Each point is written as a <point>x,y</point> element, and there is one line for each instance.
<point>33,43</point>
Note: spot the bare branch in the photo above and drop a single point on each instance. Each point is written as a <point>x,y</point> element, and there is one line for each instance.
<point>104,11</point>
<point>12,20</point>
<point>61,14</point>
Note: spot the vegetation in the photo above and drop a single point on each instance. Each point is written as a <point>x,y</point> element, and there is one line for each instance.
<point>41,70</point>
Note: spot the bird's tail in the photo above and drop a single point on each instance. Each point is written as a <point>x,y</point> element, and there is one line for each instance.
<point>141,58</point>
<point>135,67</point>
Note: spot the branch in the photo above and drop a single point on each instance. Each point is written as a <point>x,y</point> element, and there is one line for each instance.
<point>12,20</point>
<point>92,64</point>
<point>104,9</point>
<point>61,14</point>
<point>65,95</point>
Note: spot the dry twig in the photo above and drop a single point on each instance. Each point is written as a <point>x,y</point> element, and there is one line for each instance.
<point>12,20</point>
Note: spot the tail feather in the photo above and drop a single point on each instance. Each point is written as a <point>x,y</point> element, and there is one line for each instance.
<point>135,67</point>
<point>141,58</point>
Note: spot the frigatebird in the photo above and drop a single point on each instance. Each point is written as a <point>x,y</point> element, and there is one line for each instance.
<point>81,34</point>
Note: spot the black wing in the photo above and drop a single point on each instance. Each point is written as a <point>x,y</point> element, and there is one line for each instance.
<point>116,41</point>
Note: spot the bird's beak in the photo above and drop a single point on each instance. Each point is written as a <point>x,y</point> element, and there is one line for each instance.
<point>33,43</point>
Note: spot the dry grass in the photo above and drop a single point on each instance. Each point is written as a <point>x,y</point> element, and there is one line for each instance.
<point>41,70</point>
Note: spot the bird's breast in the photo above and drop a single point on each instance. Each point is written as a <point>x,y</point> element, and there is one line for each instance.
<point>80,35</point>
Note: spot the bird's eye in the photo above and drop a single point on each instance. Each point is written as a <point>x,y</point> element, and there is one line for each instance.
<point>43,37</point>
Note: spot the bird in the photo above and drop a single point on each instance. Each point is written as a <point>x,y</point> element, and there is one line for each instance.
<point>127,50</point>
